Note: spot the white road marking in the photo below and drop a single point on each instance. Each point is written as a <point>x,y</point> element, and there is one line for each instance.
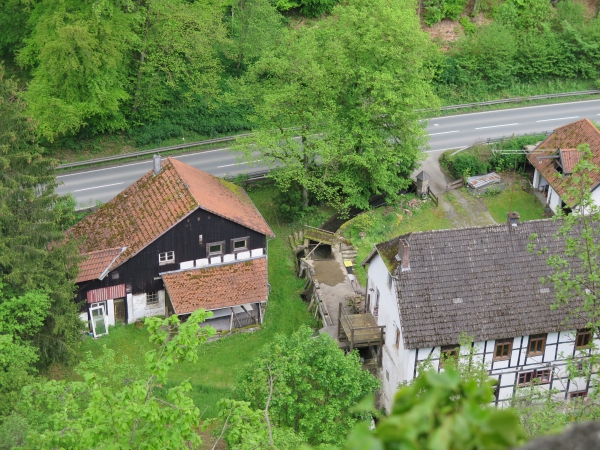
<point>149,161</point>
<point>238,164</point>
<point>443,132</point>
<point>98,187</point>
<point>496,126</point>
<point>436,124</point>
<point>561,118</point>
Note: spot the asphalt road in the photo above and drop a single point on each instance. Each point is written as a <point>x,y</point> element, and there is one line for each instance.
<point>448,132</point>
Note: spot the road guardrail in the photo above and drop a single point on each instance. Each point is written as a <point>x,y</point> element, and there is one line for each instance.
<point>517,100</point>
<point>134,155</point>
<point>89,162</point>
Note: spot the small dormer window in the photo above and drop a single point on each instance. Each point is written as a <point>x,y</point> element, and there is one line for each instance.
<point>166,258</point>
<point>215,248</point>
<point>239,244</point>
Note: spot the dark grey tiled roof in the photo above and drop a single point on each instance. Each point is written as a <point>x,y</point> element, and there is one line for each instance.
<point>481,280</point>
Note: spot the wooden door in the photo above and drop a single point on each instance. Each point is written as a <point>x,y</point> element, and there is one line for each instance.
<point>119,310</point>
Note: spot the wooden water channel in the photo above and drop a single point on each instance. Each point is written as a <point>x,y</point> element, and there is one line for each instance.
<point>341,309</point>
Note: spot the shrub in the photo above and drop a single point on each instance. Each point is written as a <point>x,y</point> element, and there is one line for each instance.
<point>466,164</point>
<point>315,8</point>
<point>470,28</point>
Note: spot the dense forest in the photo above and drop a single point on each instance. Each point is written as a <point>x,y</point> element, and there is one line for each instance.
<point>346,77</point>
<point>158,69</point>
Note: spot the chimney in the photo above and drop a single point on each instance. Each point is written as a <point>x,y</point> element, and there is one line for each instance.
<point>513,218</point>
<point>404,255</point>
<point>156,164</point>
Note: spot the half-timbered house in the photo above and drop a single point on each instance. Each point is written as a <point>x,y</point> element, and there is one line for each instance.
<point>177,240</point>
<point>427,288</point>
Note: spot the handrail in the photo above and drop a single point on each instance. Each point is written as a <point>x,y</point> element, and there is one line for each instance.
<point>515,100</point>
<point>152,151</point>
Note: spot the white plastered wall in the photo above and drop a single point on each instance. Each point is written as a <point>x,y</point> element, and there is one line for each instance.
<point>395,360</point>
<point>137,308</point>
<point>553,200</point>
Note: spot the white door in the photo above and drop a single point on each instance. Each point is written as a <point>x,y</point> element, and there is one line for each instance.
<point>99,325</point>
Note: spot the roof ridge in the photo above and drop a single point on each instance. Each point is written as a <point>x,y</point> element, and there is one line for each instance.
<point>476,227</point>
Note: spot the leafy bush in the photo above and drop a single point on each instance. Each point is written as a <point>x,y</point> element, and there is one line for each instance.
<point>464,164</point>
<point>503,162</point>
<point>528,42</point>
<point>437,10</point>
<point>315,8</point>
<point>442,411</point>
<point>223,119</point>
<point>469,27</point>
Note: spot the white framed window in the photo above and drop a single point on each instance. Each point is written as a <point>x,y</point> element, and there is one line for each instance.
<point>166,258</point>
<point>215,248</point>
<point>152,299</point>
<point>239,244</point>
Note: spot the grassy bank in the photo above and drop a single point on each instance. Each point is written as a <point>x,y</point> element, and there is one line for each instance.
<point>387,222</point>
<point>221,362</point>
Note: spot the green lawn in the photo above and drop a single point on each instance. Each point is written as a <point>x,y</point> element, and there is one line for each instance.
<point>525,203</point>
<point>221,362</point>
<point>385,223</point>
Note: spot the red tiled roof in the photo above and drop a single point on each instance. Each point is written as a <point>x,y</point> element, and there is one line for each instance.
<point>566,137</point>
<point>155,203</point>
<point>219,286</point>
<point>222,198</point>
<point>570,157</point>
<point>95,263</point>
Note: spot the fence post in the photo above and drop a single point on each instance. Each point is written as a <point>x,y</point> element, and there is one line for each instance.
<point>339,320</point>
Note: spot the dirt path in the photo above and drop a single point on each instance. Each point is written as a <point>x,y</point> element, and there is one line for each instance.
<point>464,210</point>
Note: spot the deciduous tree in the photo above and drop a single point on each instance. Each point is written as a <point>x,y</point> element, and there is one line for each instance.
<point>306,384</point>
<point>114,408</point>
<point>349,88</point>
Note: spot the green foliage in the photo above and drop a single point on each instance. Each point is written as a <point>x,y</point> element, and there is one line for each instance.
<point>255,27</point>
<point>437,10</point>
<point>76,54</point>
<point>32,219</point>
<point>307,385</point>
<point>468,26</point>
<point>464,164</point>
<point>120,409</point>
<point>442,411</point>
<point>350,87</point>
<point>246,429</point>
<point>315,8</point>
<point>529,42</point>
